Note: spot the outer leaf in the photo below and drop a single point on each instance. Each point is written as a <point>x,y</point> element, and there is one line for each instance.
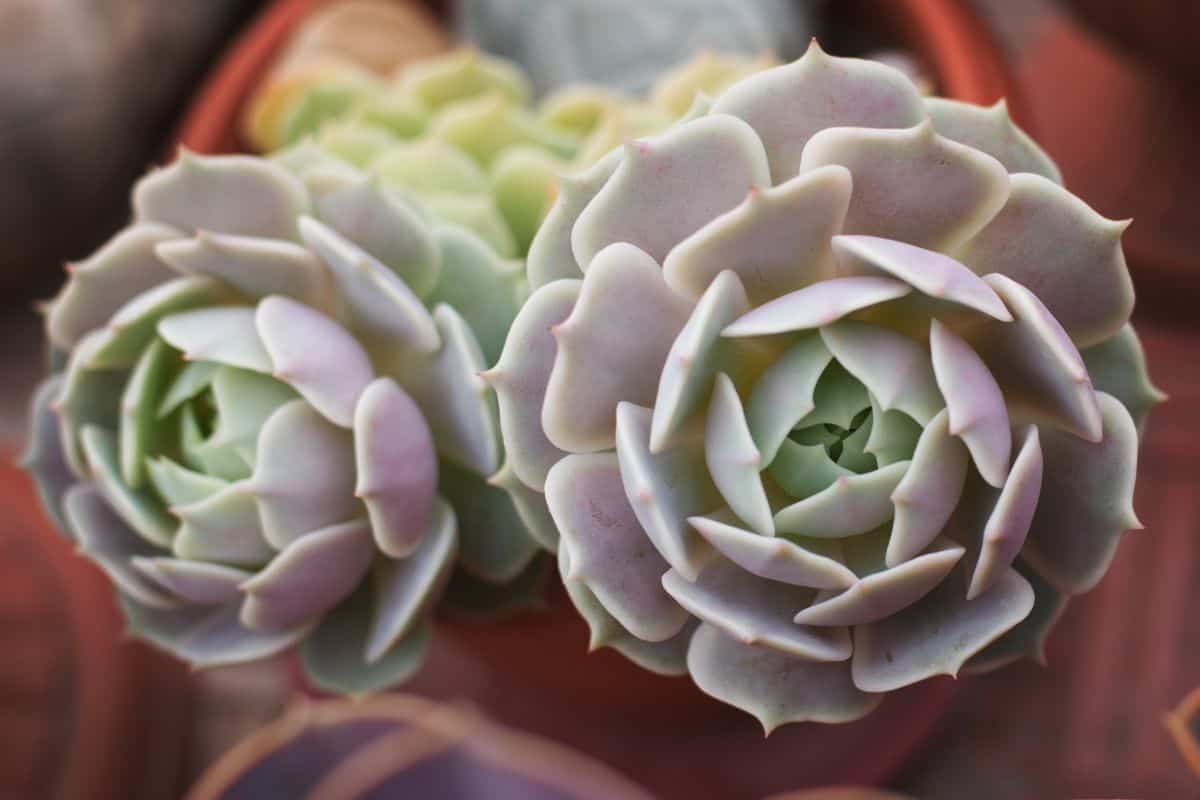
<point>1118,366</point>
<point>550,253</point>
<point>493,543</point>
<point>993,131</point>
<point>776,559</point>
<point>225,334</point>
<point>44,457</point>
<point>816,305</point>
<point>733,460</point>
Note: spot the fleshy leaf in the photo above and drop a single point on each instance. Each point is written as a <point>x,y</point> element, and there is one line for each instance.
<point>1010,518</point>
<point>948,191</point>
<point>783,394</point>
<point>1027,639</point>
<point>695,357</point>
<point>929,492</point>
<point>406,588</point>
<point>938,634</point>
<point>803,470</point>
<point>524,184</point>
<point>487,126</point>
<point>1036,363</point>
<point>244,401</point>
<point>1086,501</point>
<point>853,504</point>
<point>774,558</point>
<point>493,544</point>
<point>608,550</point>
<point>138,431</point>
<point>224,194</point>
<point>978,414</point>
<point>105,538</point>
<point>817,305</point>
<point>431,165</point>
<point>194,378</point>
<point>881,594</point>
<point>251,265</point>
<point>139,508</point>
<point>773,686</point>
<point>304,474</point>
<point>756,611</point>
<point>134,325</point>
<point>896,370</point>
<point>193,581</point>
<point>777,240</point>
<point>789,104</point>
<point>520,378</point>
<point>599,364</point>
<point>894,436</point>
<point>665,489</point>
<point>396,466</point>
<point>733,461</point>
<point>124,267</point>
<point>312,574</point>
<point>530,506</point>
<point>991,130</point>
<point>668,186</point>
<point>180,486</point>
<point>550,254</point>
<point>1049,240</point>
<point>315,356</point>
<point>224,528</point>
<point>43,456</point>
<point>225,334</point>
<point>1118,366</point>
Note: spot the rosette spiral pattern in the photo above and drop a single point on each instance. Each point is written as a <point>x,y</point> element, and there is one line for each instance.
<point>269,428</point>
<point>829,390</point>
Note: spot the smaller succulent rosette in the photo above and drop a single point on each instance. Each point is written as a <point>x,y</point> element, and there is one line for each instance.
<point>269,428</point>
<point>830,390</point>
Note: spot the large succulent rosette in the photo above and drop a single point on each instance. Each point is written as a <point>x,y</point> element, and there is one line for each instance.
<point>829,390</point>
<point>269,428</point>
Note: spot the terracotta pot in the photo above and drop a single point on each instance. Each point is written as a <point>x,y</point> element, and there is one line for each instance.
<point>83,712</point>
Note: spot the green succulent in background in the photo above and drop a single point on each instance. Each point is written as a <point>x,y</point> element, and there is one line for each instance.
<point>269,429</point>
<point>830,390</point>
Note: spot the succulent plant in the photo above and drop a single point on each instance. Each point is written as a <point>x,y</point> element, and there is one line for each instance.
<point>829,390</point>
<point>269,429</point>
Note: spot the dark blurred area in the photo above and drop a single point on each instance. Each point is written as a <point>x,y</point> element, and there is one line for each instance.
<point>91,92</point>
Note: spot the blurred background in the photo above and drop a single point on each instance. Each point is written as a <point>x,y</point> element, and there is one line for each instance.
<point>93,92</point>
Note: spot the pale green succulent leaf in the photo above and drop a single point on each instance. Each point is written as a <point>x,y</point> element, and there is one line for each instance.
<point>894,435</point>
<point>251,265</point>
<point>851,505</point>
<point>463,73</point>
<point>598,363</point>
<point>608,549</point>
<point>192,380</point>
<point>1086,501</point>
<point>977,412</point>
<point>223,528</point>
<point>668,186</point>
<point>1049,240</point>
<point>314,355</point>
<point>838,399</point>
<point>948,191</point>
<point>139,508</point>
<point>125,266</point>
<point>401,114</point>
<point>139,433</point>
<point>355,141</point>
<point>192,581</point>
<point>530,506</point>
<point>696,356</point>
<point>665,489</point>
<point>774,558</point>
<point>777,240</point>
<point>224,334</point>
<point>376,303</point>
<point>454,399</point>
<point>756,611</point>
<point>1010,518</point>
<point>431,166</point>
<point>371,216</point>
<point>224,194</point>
<point>309,576</point>
<point>396,466</point>
<point>485,127</point>
<point>787,105</point>
<point>783,394</point>
<point>406,587</point>
<point>732,459</point>
<point>603,628</point>
<point>520,378</point>
<point>481,286</point>
<point>324,102</point>
<point>477,213</point>
<point>929,492</point>
<point>896,371</point>
<point>550,254</point>
<point>776,688</point>
<point>105,538</point>
<point>938,634</point>
<point>816,305</point>
<point>1033,358</point>
<point>244,401</point>
<point>524,184</point>
<point>1118,366</point>
<point>804,470</point>
<point>305,156</point>
<point>135,324</point>
<point>179,486</point>
<point>304,474</point>
<point>886,592</point>
<point>1027,639</point>
<point>991,130</point>
<point>493,543</point>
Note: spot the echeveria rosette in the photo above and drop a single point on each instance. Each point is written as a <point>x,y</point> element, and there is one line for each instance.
<point>829,390</point>
<point>270,429</point>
